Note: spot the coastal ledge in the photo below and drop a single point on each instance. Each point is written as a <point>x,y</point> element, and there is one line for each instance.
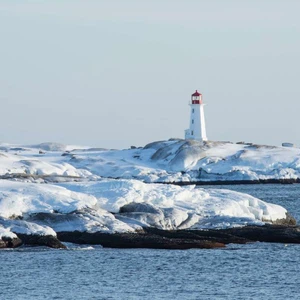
<point>236,182</point>
<point>138,240</point>
<point>65,178</point>
<point>31,240</point>
<point>154,238</point>
<point>186,239</point>
<point>41,240</point>
<point>8,242</point>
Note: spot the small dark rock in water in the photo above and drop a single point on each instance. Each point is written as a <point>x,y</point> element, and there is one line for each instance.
<point>7,242</point>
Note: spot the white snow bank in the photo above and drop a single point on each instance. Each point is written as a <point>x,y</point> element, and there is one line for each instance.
<point>97,220</point>
<point>164,161</point>
<point>171,207</point>
<point>187,160</point>
<point>18,198</point>
<point>5,232</point>
<point>96,206</point>
<point>24,227</point>
<point>30,162</point>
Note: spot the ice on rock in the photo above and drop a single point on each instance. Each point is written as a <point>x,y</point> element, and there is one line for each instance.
<point>46,209</point>
<point>18,198</point>
<point>125,205</point>
<point>175,207</point>
<point>25,227</point>
<point>89,220</point>
<point>6,233</point>
<point>185,160</point>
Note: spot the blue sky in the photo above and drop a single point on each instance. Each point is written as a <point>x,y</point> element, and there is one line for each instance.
<point>120,73</point>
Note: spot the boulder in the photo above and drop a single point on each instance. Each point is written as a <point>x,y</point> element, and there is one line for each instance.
<point>8,242</point>
<point>41,240</point>
<point>289,220</point>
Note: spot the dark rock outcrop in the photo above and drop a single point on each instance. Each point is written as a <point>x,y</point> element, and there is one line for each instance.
<point>234,182</point>
<point>186,239</point>
<point>136,240</point>
<point>289,220</point>
<point>268,233</point>
<point>7,242</point>
<point>41,240</point>
<point>154,238</point>
<point>218,236</point>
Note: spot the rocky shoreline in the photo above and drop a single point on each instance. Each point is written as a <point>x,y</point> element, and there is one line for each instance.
<point>236,182</point>
<point>153,238</point>
<point>186,239</point>
<point>64,178</point>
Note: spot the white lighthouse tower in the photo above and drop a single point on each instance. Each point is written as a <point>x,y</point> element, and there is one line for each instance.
<point>197,130</point>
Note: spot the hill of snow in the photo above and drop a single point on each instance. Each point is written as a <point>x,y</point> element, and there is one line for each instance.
<point>124,206</point>
<point>165,161</point>
<point>82,197</point>
<point>181,160</point>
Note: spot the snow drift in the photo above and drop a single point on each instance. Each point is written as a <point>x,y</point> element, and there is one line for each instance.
<point>125,206</point>
<point>174,160</point>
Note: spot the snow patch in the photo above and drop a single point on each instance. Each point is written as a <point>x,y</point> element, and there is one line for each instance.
<point>175,207</point>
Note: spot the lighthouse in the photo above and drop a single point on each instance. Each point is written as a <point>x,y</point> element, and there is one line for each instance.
<point>197,130</point>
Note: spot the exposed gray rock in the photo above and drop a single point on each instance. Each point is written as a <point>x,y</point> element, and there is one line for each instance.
<point>289,220</point>
<point>41,240</point>
<point>185,239</point>
<point>139,207</point>
<point>7,242</point>
<point>136,240</point>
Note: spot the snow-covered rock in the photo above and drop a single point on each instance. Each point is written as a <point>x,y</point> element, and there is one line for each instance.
<point>18,199</point>
<point>5,232</point>
<point>25,163</point>
<point>187,160</point>
<point>99,191</point>
<point>125,206</point>
<point>23,204</point>
<point>174,160</point>
<point>174,207</point>
<point>25,227</point>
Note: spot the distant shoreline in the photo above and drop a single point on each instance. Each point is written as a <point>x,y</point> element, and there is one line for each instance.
<point>55,178</point>
<point>236,182</point>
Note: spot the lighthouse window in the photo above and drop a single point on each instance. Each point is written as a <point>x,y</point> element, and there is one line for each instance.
<point>193,121</point>
<point>192,132</point>
<point>193,110</point>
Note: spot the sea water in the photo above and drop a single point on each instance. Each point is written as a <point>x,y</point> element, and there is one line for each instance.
<point>252,271</point>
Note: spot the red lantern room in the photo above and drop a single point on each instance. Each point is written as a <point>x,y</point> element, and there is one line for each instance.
<point>196,98</point>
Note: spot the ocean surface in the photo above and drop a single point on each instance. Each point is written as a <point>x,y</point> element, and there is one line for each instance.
<point>252,271</point>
